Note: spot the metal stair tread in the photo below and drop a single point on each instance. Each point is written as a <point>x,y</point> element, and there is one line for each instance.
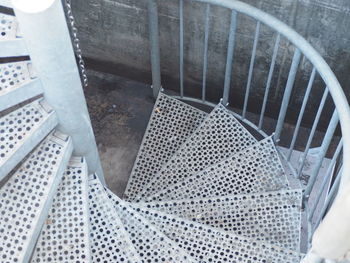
<point>274,217</point>
<point>27,196</point>
<point>8,27</point>
<point>109,241</point>
<point>11,43</point>
<point>17,83</point>
<point>21,130</point>
<point>208,244</point>
<point>14,74</point>
<point>65,234</point>
<point>219,136</point>
<point>171,122</point>
<point>151,244</point>
<point>255,169</point>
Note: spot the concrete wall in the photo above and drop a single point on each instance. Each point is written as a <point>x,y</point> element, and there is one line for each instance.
<point>114,36</point>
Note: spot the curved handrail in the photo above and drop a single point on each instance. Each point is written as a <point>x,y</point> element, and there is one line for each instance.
<point>312,55</point>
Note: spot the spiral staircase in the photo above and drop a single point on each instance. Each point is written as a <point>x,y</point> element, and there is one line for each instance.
<point>202,189</point>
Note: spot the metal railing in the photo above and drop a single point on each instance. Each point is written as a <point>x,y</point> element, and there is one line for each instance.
<point>341,114</point>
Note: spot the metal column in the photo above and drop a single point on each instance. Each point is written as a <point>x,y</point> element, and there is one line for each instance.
<point>43,25</point>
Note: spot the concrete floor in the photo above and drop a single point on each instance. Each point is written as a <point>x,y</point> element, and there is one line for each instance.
<point>119,111</point>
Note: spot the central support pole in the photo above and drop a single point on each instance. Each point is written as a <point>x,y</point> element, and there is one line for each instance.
<point>43,25</point>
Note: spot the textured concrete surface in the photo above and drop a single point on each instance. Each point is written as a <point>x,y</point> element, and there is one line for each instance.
<point>114,38</point>
<point>119,111</point>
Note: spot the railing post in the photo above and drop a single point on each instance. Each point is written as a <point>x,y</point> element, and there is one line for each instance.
<point>287,94</point>
<point>323,151</point>
<point>44,27</point>
<point>229,58</point>
<point>154,43</point>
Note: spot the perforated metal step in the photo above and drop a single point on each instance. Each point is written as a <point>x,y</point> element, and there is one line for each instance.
<point>255,169</point>
<point>218,137</point>
<point>8,27</point>
<point>273,217</point>
<point>109,240</point>
<point>151,244</point>
<point>21,131</point>
<point>25,199</point>
<point>17,83</point>
<point>65,234</point>
<point>11,43</point>
<point>208,244</point>
<point>171,122</point>
<point>14,74</point>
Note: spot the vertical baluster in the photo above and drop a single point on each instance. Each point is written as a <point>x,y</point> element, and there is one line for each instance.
<point>229,58</point>
<point>301,114</point>
<point>155,50</point>
<point>205,56</point>
<point>325,179</point>
<point>313,130</point>
<point>323,150</point>
<point>251,68</point>
<point>330,198</point>
<point>287,93</point>
<point>181,10</point>
<point>269,79</point>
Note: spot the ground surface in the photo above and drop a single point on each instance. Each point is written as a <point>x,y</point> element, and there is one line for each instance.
<point>119,111</point>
